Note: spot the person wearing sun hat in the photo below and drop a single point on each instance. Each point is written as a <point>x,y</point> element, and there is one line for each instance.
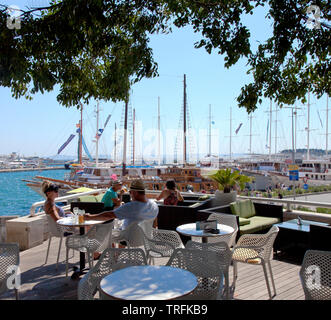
<point>110,198</point>
<point>137,210</point>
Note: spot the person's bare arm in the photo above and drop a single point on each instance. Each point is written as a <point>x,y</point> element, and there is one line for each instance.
<point>179,196</point>
<point>103,216</point>
<point>162,195</point>
<point>52,211</point>
<point>117,201</point>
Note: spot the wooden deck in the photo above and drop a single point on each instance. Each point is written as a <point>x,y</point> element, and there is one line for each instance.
<point>44,282</point>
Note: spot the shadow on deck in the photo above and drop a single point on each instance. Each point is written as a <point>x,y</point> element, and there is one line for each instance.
<point>44,282</point>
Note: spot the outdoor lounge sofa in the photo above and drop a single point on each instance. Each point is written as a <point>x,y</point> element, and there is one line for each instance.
<point>252,217</point>
<point>319,237</point>
<point>89,206</point>
<point>187,211</point>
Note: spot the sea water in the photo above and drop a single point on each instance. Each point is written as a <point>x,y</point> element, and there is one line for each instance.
<point>16,197</point>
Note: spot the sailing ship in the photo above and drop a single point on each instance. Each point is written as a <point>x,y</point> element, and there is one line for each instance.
<point>99,175</point>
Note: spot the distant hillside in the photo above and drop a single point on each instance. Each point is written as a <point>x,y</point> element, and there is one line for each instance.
<point>315,152</point>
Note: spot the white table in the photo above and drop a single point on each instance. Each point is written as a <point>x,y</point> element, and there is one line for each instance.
<point>69,222</point>
<point>190,230</point>
<point>148,283</point>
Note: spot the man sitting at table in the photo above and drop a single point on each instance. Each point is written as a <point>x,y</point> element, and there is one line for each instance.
<point>139,209</point>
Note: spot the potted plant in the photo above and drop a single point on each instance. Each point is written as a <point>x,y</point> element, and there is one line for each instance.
<point>228,181</point>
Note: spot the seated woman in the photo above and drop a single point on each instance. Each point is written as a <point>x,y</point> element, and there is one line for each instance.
<point>170,195</point>
<point>52,191</point>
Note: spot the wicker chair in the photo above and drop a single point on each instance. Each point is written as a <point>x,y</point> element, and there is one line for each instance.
<point>315,275</point>
<point>161,244</point>
<point>9,257</point>
<point>224,255</point>
<point>229,220</point>
<point>203,264</point>
<point>132,234</point>
<point>256,249</point>
<point>112,259</point>
<point>97,239</point>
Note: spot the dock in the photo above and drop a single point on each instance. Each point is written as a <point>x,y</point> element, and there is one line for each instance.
<point>32,169</point>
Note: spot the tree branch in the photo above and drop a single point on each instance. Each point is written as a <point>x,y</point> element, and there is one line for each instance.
<point>24,12</point>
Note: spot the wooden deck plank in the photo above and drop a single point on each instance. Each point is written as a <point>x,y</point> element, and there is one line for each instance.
<point>258,285</point>
<point>250,270</point>
<point>259,273</point>
<point>251,281</point>
<point>42,281</point>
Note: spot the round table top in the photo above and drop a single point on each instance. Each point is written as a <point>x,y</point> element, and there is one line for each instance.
<point>148,283</point>
<point>189,229</point>
<point>68,222</point>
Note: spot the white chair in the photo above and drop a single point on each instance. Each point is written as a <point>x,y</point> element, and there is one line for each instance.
<point>161,244</point>
<point>55,230</point>
<point>315,275</point>
<point>112,259</point>
<point>256,249</point>
<point>228,220</point>
<point>224,257</point>
<point>203,264</point>
<point>97,239</point>
<point>9,258</point>
<point>132,234</point>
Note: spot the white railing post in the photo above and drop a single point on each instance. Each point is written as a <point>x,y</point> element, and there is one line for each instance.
<point>288,206</point>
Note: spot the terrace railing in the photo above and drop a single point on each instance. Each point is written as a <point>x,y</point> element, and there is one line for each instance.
<point>290,204</point>
<point>39,204</point>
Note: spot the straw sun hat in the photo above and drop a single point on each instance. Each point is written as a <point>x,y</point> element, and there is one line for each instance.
<point>137,185</point>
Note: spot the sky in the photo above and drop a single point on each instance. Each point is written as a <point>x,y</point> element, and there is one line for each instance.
<point>39,127</point>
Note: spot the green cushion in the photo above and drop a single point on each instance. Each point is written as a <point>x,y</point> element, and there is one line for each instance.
<point>244,221</point>
<point>87,199</point>
<point>234,206</point>
<point>258,223</point>
<point>265,221</point>
<point>243,209</point>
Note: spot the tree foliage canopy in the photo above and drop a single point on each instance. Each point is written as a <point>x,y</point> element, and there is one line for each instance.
<point>99,48</point>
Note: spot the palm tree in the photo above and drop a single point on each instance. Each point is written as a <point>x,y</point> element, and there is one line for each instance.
<point>228,179</point>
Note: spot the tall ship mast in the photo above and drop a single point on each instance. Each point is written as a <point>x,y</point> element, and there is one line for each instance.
<point>184,123</point>
<point>125,138</point>
<point>80,153</point>
<point>153,176</point>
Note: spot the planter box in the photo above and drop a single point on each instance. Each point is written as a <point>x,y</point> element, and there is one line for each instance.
<point>27,231</point>
<point>222,199</point>
<point>3,232</point>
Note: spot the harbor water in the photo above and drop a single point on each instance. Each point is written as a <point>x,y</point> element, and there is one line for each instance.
<point>16,197</point>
